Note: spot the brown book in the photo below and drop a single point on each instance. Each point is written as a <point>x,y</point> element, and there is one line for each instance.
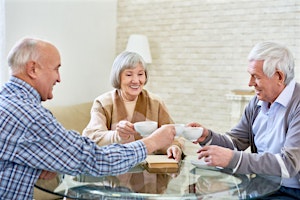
<point>161,163</point>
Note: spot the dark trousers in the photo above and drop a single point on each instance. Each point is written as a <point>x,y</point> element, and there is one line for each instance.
<point>284,193</point>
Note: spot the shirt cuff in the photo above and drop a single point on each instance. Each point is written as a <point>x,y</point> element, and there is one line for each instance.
<point>238,163</point>
<point>207,140</point>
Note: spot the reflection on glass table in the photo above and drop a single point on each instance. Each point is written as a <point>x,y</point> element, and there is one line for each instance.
<point>190,182</point>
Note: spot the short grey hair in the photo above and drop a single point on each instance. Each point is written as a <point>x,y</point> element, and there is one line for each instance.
<point>125,60</point>
<point>24,50</point>
<point>275,57</point>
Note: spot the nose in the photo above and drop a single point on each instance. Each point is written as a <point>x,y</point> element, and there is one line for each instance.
<point>58,78</point>
<point>135,78</point>
<point>251,82</point>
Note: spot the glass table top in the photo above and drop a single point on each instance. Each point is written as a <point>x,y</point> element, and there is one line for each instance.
<point>190,182</point>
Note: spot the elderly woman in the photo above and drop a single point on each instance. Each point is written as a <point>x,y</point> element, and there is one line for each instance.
<point>114,113</point>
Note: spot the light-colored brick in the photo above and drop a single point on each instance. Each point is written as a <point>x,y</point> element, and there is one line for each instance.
<point>200,49</point>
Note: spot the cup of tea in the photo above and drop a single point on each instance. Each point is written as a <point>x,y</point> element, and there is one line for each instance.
<point>192,133</point>
<point>145,128</point>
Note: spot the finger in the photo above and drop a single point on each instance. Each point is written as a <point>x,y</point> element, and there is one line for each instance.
<point>202,154</point>
<point>50,175</point>
<point>125,131</point>
<point>130,125</point>
<point>201,149</point>
<point>177,152</point>
<point>174,152</point>
<point>47,175</point>
<point>126,125</point>
<point>190,124</point>
<point>169,153</point>
<point>193,124</point>
<point>208,161</point>
<point>177,156</point>
<point>42,175</point>
<point>128,128</point>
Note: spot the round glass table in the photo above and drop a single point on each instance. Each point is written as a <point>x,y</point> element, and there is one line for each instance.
<point>189,182</point>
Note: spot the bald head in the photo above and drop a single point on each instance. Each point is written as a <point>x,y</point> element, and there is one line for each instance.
<point>25,50</point>
<point>36,62</point>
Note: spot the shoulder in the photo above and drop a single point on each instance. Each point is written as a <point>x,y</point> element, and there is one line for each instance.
<point>25,110</point>
<point>105,101</point>
<point>297,90</point>
<point>253,108</point>
<point>296,95</point>
<point>295,100</point>
<point>152,96</point>
<point>253,103</point>
<point>106,97</point>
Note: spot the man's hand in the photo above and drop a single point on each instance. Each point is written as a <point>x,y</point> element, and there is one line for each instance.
<point>47,175</point>
<point>160,138</point>
<point>204,134</point>
<point>215,155</point>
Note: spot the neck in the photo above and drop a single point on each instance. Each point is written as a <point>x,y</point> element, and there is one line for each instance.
<point>127,98</point>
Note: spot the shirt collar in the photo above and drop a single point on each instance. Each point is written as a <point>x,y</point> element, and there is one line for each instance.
<point>284,97</point>
<point>27,88</point>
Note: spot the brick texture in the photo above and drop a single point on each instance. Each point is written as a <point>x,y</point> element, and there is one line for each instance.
<point>200,49</point>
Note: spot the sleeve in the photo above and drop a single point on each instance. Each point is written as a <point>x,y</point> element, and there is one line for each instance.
<point>97,129</point>
<point>47,145</point>
<point>241,136</point>
<point>285,163</point>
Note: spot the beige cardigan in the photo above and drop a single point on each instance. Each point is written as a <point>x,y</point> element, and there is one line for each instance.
<point>108,109</point>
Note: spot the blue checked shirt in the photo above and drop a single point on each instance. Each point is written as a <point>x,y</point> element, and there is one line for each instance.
<point>31,139</point>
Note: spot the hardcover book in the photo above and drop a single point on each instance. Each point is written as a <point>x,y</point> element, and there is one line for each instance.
<point>161,163</point>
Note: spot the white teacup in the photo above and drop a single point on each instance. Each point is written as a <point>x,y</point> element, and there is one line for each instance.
<point>145,128</point>
<point>192,133</point>
<point>179,128</point>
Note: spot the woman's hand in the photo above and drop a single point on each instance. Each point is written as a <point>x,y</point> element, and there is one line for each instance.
<point>125,129</point>
<point>175,152</point>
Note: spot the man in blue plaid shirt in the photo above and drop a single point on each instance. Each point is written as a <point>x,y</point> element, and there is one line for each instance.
<point>34,145</point>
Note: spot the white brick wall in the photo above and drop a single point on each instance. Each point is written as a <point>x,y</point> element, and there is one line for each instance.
<point>200,48</point>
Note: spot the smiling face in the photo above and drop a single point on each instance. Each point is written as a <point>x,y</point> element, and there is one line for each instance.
<point>132,82</point>
<point>266,88</point>
<point>47,69</point>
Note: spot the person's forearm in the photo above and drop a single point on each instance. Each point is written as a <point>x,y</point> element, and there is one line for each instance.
<point>150,145</point>
<point>175,142</point>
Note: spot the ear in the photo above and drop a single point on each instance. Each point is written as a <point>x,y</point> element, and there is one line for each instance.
<point>281,76</point>
<point>31,69</point>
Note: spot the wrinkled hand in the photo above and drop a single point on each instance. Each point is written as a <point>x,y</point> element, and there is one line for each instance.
<point>125,129</point>
<point>215,155</point>
<point>205,131</point>
<point>174,152</point>
<point>193,124</point>
<point>160,138</point>
<point>47,175</point>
